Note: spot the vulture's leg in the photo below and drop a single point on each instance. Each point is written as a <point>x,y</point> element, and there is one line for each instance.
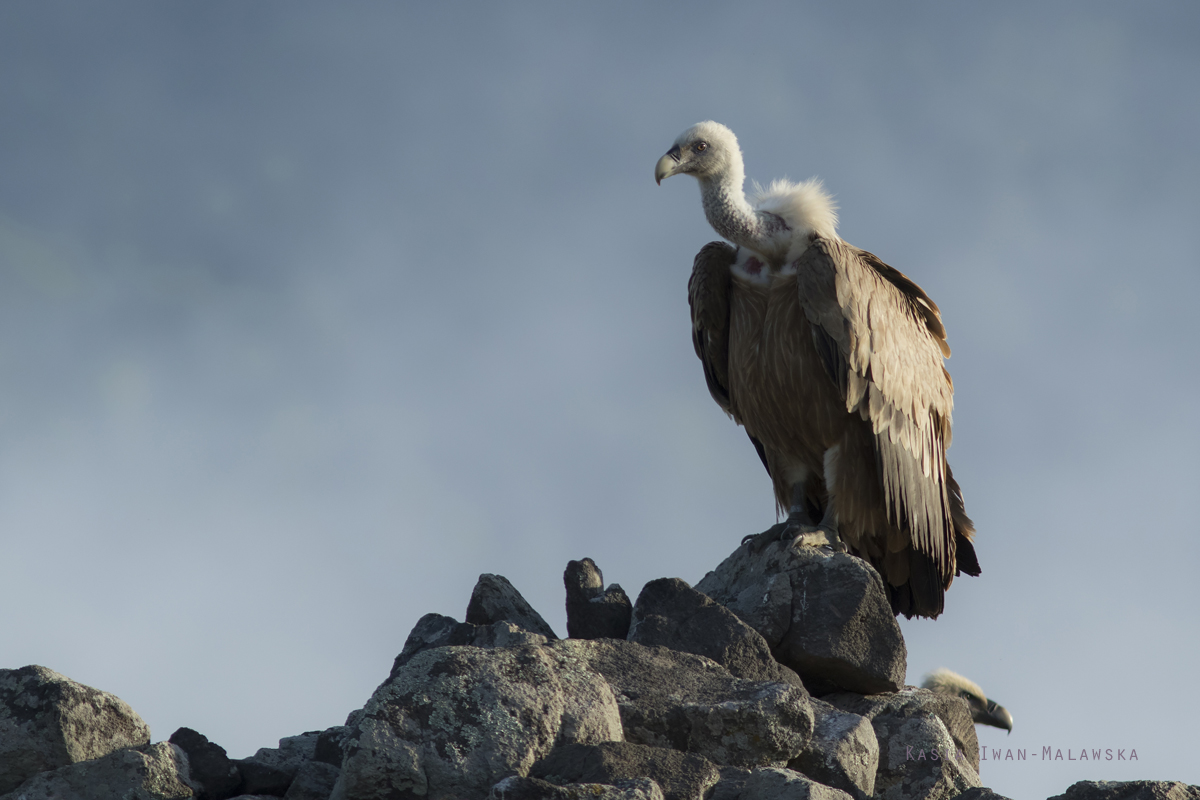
<point>798,528</point>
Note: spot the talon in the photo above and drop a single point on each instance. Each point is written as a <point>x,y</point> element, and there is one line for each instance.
<point>758,541</point>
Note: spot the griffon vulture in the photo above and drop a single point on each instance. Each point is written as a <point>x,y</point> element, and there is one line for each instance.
<point>983,711</point>
<point>832,361</point>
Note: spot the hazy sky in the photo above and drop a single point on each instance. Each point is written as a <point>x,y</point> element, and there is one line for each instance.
<point>311,313</point>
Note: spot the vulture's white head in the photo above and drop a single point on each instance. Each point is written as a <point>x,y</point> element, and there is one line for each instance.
<point>983,710</point>
<point>707,150</point>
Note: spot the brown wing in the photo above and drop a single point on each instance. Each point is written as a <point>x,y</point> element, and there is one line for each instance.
<point>708,296</point>
<point>882,341</point>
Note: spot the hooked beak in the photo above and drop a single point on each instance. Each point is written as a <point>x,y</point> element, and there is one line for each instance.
<point>997,716</point>
<point>668,165</point>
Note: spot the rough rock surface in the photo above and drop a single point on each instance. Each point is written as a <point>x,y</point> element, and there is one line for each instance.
<point>329,745</point>
<point>150,772</point>
<point>215,774</point>
<point>1130,790</point>
<point>457,720</point>
<point>272,770</point>
<point>593,612</point>
<point>670,613</point>
<point>980,793</point>
<point>518,788</point>
<point>843,752</point>
<point>681,776</point>
<point>48,721</point>
<point>259,778</point>
<point>772,783</point>
<point>314,781</point>
<point>826,615</point>
<point>954,713</point>
<point>917,756</point>
<point>494,599</point>
<point>691,703</point>
<point>437,630</point>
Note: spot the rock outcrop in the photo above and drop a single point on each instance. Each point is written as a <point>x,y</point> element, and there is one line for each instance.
<point>594,612</point>
<point>1130,790</point>
<point>150,772</point>
<point>702,693</point>
<point>455,720</point>
<point>823,614</point>
<point>48,721</point>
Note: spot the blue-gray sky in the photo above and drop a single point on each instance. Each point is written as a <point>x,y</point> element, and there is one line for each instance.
<point>310,313</point>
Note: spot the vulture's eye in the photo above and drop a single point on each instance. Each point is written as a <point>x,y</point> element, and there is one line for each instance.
<point>701,147</point>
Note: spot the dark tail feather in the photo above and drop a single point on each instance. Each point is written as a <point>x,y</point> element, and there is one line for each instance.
<point>965,559</point>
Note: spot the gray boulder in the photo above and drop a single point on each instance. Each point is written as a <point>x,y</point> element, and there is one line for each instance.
<point>216,775</point>
<point>843,752</point>
<point>919,758</point>
<point>437,630</point>
<point>518,788</point>
<point>669,613</point>
<point>1130,790</point>
<point>773,783</point>
<point>691,703</point>
<point>954,713</point>
<point>314,781</point>
<point>980,793</point>
<point>593,612</point>
<point>48,721</point>
<point>272,770</point>
<point>263,779</point>
<point>826,615</point>
<point>494,599</point>
<point>681,776</point>
<point>455,720</point>
<point>150,772</point>
<point>329,745</point>
<point>730,786</point>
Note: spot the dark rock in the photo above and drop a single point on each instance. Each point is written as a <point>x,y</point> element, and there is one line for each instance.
<point>733,781</point>
<point>954,713</point>
<point>773,783</point>
<point>314,781</point>
<point>150,772</point>
<point>843,752</point>
<point>681,776</point>
<point>329,745</point>
<point>435,630</point>
<point>691,703</point>
<point>260,778</point>
<point>826,615</point>
<point>494,599</point>
<point>48,721</point>
<point>980,793</point>
<point>1130,790</point>
<point>592,612</point>
<point>518,788</point>
<point>454,721</point>
<point>208,764</point>
<point>669,613</point>
<point>272,769</point>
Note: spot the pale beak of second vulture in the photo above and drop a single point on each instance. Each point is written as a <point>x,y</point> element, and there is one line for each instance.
<point>998,716</point>
<point>668,165</point>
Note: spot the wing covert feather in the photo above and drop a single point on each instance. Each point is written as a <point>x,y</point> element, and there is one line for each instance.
<point>890,343</point>
<point>708,296</point>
